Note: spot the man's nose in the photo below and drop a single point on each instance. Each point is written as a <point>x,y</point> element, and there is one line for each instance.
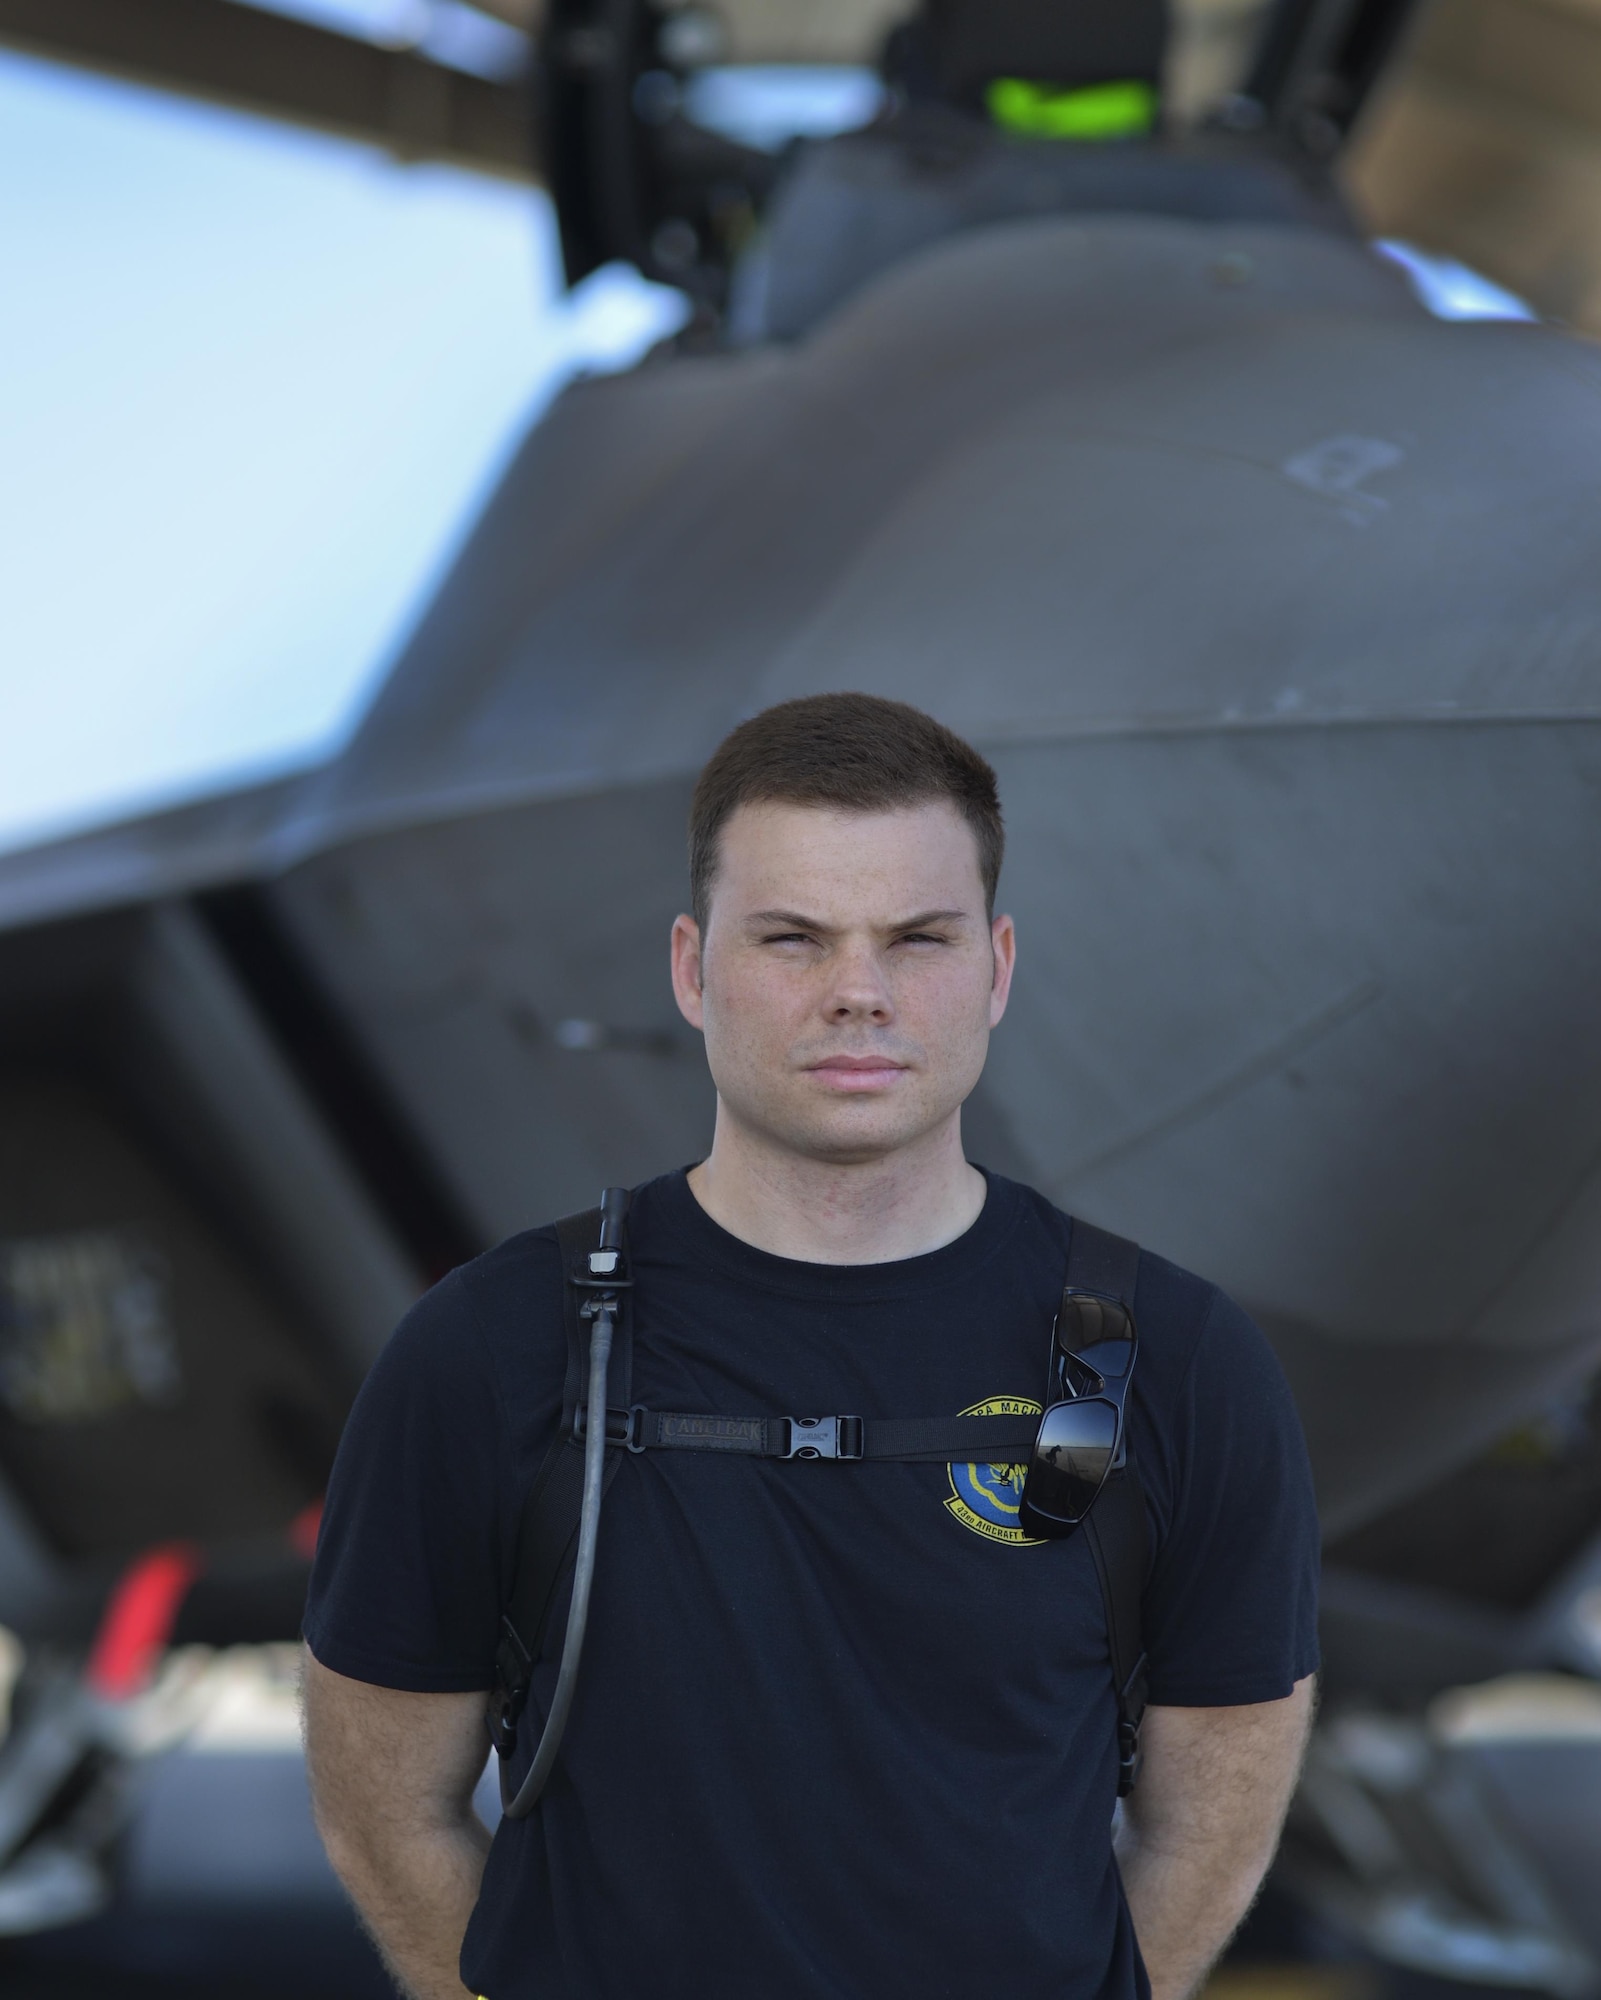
<point>859,988</point>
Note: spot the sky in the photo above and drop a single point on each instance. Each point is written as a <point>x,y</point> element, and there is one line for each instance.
<point>254,384</point>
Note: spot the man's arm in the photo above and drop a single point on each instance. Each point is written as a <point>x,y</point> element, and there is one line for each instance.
<point>392,1777</point>
<point>1200,1827</point>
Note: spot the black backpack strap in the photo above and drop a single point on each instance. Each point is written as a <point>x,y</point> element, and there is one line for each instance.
<point>549,1525</point>
<point>1098,1261</point>
<point>944,1440</point>
<point>1116,1526</point>
<point>1120,1541</point>
<point>576,1234</point>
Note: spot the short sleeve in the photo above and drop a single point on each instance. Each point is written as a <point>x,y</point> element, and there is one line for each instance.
<point>405,1589</point>
<point>1231,1605</point>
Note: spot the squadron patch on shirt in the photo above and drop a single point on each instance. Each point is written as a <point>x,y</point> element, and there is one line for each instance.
<point>986,1498</point>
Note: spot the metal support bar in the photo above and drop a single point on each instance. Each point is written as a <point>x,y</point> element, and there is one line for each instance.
<point>285,68</point>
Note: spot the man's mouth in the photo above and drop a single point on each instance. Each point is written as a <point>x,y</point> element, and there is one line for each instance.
<point>857,1072</point>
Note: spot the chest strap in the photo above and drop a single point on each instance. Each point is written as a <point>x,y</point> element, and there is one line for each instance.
<point>1116,1527</point>
<point>939,1440</point>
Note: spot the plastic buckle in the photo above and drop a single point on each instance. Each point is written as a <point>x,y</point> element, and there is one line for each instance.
<point>618,1281</point>
<point>1128,1757</point>
<point>513,1668</point>
<point>622,1426</point>
<point>502,1724</point>
<point>824,1437</point>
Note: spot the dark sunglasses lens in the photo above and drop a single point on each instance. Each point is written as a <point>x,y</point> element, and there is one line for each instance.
<point>1100,1332</point>
<point>1072,1457</point>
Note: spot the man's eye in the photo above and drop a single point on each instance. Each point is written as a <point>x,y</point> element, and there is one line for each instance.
<point>924,937</point>
<point>788,937</point>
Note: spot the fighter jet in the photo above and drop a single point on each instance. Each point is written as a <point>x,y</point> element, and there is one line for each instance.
<point>1276,603</point>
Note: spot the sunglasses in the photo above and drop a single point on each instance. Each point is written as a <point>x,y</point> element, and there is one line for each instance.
<point>1080,1440</point>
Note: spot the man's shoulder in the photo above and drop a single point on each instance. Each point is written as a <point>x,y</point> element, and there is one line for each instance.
<point>1178,1311</point>
<point>518,1283</point>
<point>506,1292</point>
<point>1163,1291</point>
<point>525,1270</point>
<point>511,1298</point>
<point>508,1276</point>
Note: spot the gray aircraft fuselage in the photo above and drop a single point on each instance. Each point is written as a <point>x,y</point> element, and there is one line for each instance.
<point>1276,605</point>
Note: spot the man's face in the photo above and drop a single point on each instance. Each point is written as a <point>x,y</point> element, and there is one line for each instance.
<point>848,979</point>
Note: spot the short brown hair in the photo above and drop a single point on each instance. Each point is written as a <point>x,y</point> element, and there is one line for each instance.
<point>851,752</point>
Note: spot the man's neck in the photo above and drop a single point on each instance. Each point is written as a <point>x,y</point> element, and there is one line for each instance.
<point>825,1212</point>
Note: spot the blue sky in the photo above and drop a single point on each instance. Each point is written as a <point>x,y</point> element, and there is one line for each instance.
<point>253,385</point>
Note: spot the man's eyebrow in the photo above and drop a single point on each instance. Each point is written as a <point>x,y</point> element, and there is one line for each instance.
<point>792,920</point>
<point>788,920</point>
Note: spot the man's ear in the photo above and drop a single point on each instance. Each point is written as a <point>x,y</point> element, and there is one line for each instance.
<point>1003,942</point>
<point>687,981</point>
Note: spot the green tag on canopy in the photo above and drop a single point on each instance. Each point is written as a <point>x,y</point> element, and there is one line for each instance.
<point>1100,111</point>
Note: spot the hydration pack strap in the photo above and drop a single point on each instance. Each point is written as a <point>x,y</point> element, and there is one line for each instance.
<point>1120,1541</point>
<point>941,1440</point>
<point>1116,1527</point>
<point>551,1512</point>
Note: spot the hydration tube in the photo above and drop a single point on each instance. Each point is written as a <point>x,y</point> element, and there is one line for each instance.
<point>518,1805</point>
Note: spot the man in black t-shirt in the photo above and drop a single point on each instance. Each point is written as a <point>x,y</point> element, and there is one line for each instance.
<point>844,1731</point>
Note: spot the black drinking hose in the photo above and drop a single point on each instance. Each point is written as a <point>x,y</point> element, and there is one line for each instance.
<point>614,1206</point>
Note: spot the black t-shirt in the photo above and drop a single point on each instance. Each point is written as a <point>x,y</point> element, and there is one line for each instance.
<point>840,1730</point>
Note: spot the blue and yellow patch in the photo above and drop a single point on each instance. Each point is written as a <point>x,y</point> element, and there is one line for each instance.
<point>986,1498</point>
